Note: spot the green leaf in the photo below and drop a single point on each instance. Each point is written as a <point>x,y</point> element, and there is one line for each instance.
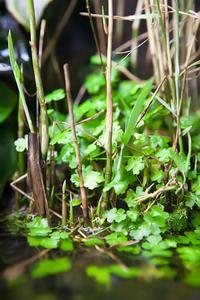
<point>94,82</point>
<point>49,267</point>
<point>141,232</point>
<point>196,219</point>
<point>64,137</point>
<point>158,175</point>
<point>192,199</point>
<point>91,178</point>
<point>120,182</point>
<point>116,215</point>
<point>21,144</point>
<point>38,227</point>
<point>38,222</point>
<point>132,214</point>
<point>135,164</point>
<point>49,243</point>
<point>34,241</point>
<point>66,245</point>
<point>159,141</point>
<point>94,241</point>
<point>164,155</point>
<point>39,231</point>
<point>196,186</point>
<point>76,202</point>
<point>56,95</point>
<point>179,161</point>
<point>128,89</point>
<point>136,111</point>
<point>131,196</point>
<point>115,238</point>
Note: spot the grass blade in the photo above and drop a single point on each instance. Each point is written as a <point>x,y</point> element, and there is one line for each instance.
<point>136,111</point>
<point>18,77</point>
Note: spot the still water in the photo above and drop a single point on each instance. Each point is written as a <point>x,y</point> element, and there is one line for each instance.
<point>75,285</point>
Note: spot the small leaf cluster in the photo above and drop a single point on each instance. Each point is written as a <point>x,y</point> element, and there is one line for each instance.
<point>41,235</point>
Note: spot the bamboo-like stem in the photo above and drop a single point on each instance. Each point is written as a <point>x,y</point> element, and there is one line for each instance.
<point>177,50</point>
<point>102,40</point>
<point>71,211</point>
<point>76,147</point>
<point>135,28</point>
<point>152,45</point>
<point>64,206</point>
<point>19,81</point>
<point>120,25</point>
<point>20,132</point>
<point>190,42</point>
<point>38,81</point>
<point>109,105</point>
<point>41,41</point>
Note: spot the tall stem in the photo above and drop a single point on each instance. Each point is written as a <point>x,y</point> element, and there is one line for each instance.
<point>76,148</point>
<point>43,126</point>
<point>109,104</point>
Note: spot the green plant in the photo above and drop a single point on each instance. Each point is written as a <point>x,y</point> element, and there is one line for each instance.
<point>128,154</point>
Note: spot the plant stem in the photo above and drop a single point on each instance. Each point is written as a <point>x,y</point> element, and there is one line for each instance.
<point>95,37</point>
<point>38,81</point>
<point>19,80</point>
<point>76,147</point>
<point>100,30</point>
<point>64,206</point>
<point>109,105</point>
<point>71,212</point>
<point>20,133</point>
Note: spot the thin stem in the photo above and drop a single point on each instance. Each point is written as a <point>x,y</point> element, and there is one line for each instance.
<point>64,206</point>
<point>109,104</point>
<point>20,133</point>
<point>102,40</point>
<point>19,81</point>
<point>76,147</point>
<point>135,29</point>
<point>95,37</point>
<point>38,81</point>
